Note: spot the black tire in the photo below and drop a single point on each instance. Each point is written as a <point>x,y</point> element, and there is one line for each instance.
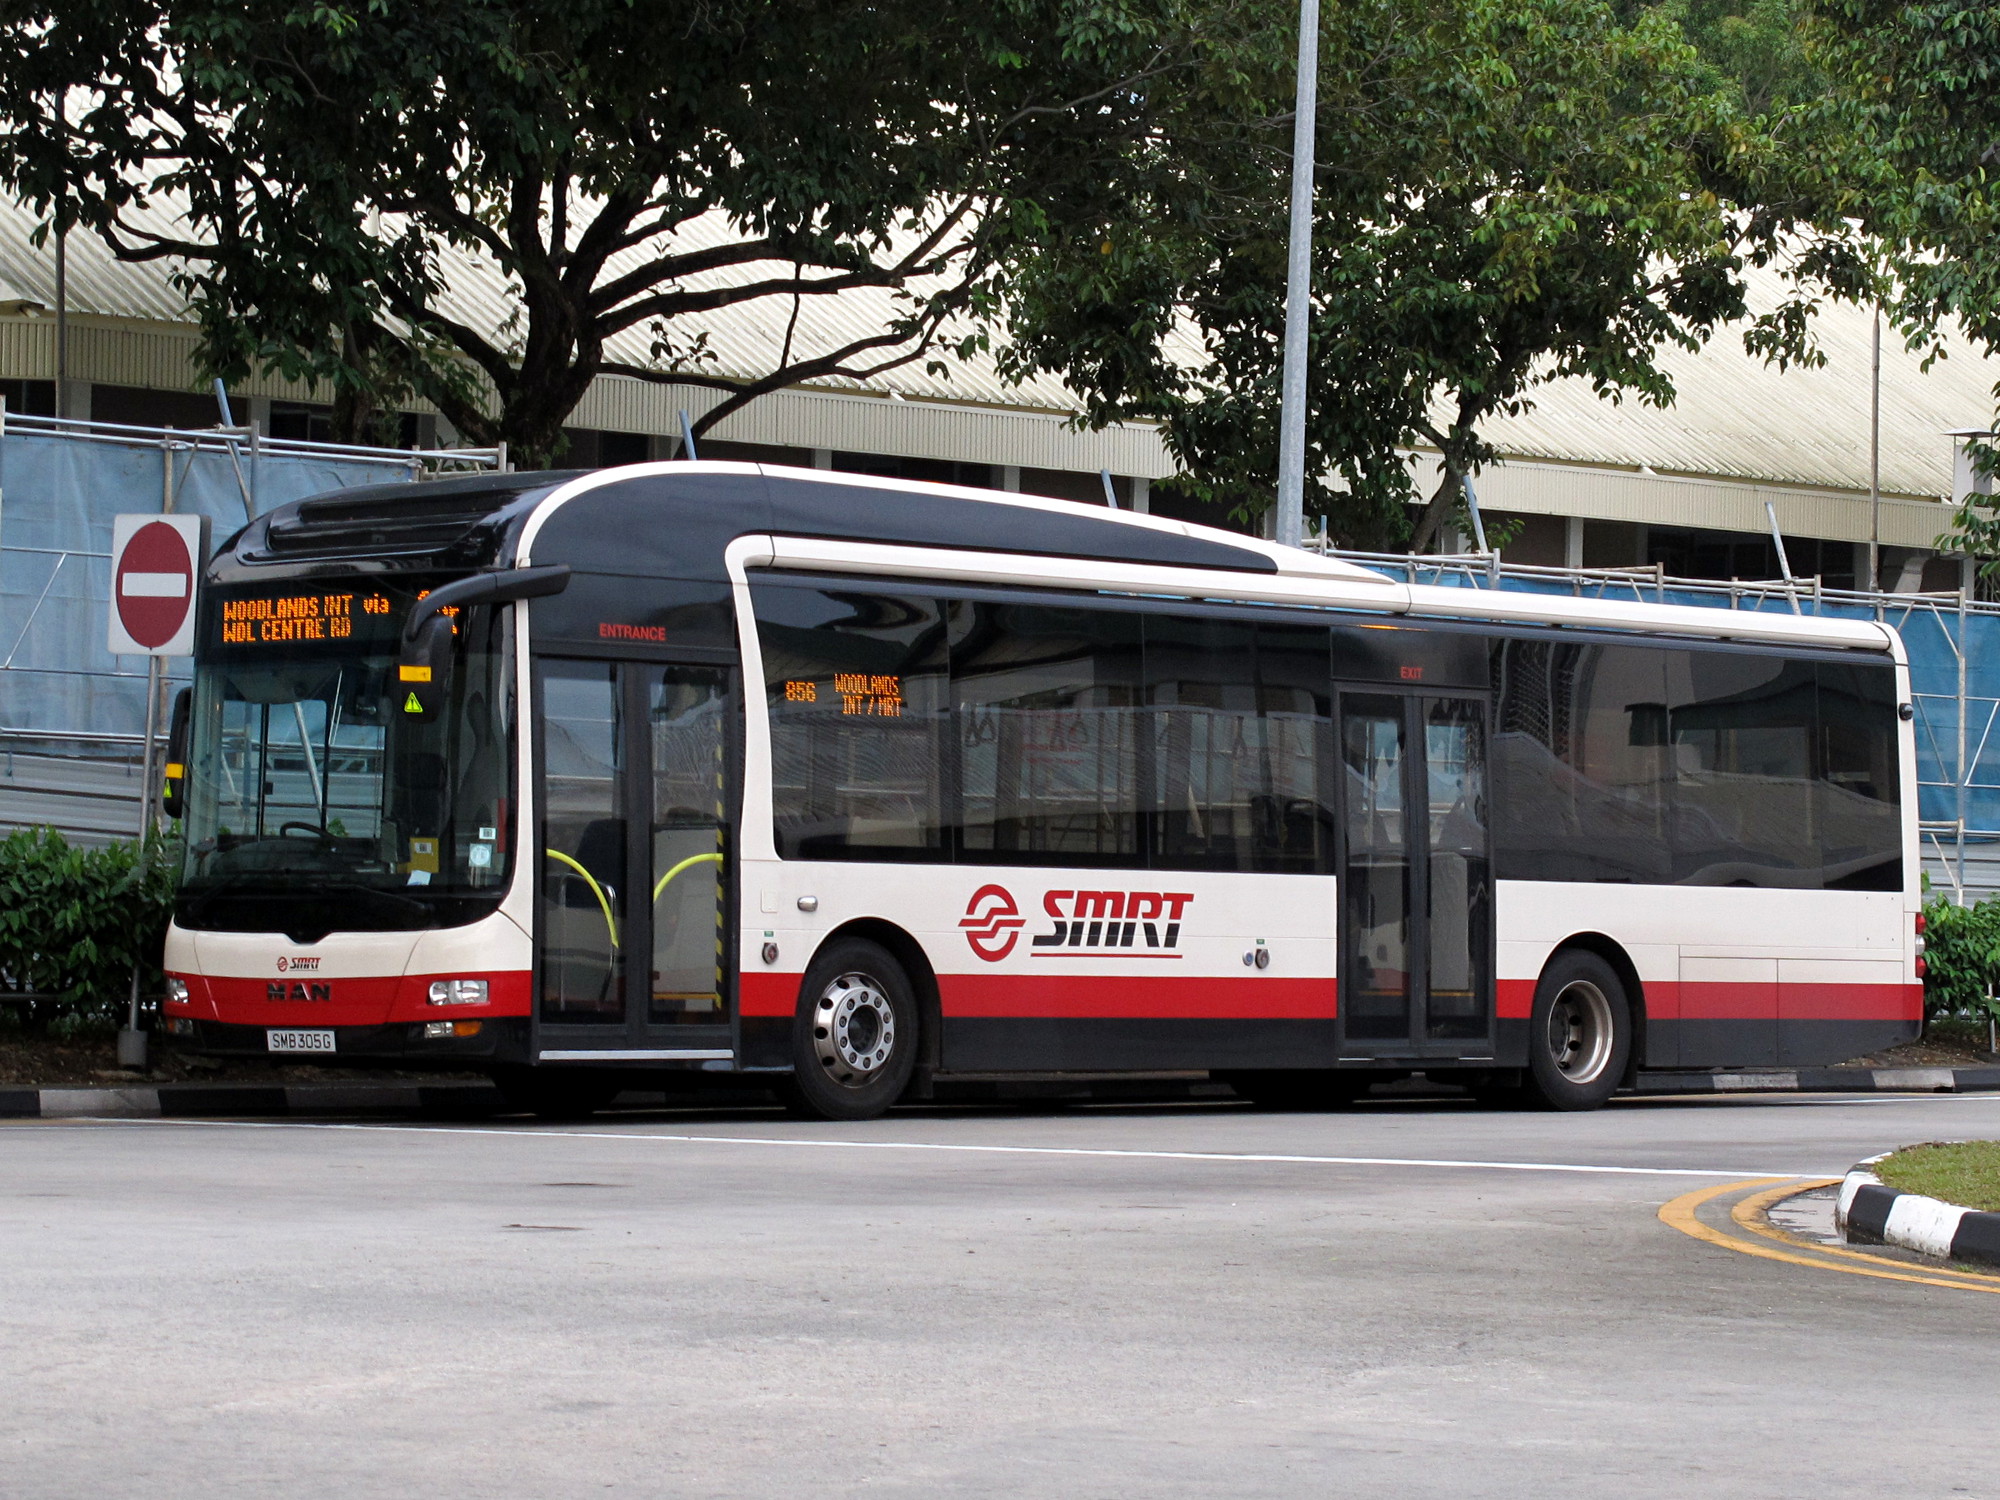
<point>855,1036</point>
<point>556,1095</point>
<point>1298,1088</point>
<point>1580,1034</point>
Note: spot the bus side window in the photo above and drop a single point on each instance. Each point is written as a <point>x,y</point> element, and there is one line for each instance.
<point>855,682</point>
<point>1047,703</point>
<point>1742,732</point>
<point>1579,764</point>
<point>1239,728</point>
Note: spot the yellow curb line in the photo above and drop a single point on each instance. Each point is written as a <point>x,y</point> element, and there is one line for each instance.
<point>1681,1214</point>
<point>1753,1214</point>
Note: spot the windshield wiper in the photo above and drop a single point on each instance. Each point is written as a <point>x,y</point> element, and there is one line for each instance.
<point>375,893</point>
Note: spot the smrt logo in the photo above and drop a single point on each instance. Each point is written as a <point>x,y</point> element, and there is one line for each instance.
<point>298,965</point>
<point>1106,920</point>
<point>992,922</point>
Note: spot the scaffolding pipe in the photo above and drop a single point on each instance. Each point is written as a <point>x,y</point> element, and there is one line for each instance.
<point>1963,772</point>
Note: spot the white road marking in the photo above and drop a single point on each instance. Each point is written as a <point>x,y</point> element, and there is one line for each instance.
<point>1094,1151</point>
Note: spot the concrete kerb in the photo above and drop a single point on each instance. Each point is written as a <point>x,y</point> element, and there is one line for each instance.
<point>1822,1081</point>
<point>473,1099</point>
<point>1869,1212</point>
<point>199,1100</point>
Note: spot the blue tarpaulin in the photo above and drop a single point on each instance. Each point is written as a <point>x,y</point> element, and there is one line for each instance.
<point>58,495</point>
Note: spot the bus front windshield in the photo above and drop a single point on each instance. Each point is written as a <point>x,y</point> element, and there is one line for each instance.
<point>318,796</point>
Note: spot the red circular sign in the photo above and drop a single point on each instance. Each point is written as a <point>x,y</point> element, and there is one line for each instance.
<point>154,584</point>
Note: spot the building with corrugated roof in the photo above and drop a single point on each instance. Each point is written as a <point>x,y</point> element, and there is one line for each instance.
<point>1594,482</point>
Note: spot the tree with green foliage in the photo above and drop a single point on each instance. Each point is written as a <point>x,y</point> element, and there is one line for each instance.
<point>1758,49</point>
<point>311,166</point>
<point>1509,192</point>
<point>1917,87</point>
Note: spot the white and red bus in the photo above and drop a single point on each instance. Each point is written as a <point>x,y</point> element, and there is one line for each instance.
<point>854,786</point>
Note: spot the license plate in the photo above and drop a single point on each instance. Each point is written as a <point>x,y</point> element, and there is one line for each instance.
<point>298,1041</point>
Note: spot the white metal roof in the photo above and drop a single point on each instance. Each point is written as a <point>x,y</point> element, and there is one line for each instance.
<point>745,340</point>
<point>1735,417</point>
<point>1739,417</point>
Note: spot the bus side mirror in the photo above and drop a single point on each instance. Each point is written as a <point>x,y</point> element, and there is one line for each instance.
<point>173,785</point>
<point>423,671</point>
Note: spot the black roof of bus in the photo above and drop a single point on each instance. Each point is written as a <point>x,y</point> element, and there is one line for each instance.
<point>676,522</point>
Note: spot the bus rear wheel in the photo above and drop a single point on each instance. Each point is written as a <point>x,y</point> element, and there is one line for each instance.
<point>1580,1035</point>
<point>854,1039</point>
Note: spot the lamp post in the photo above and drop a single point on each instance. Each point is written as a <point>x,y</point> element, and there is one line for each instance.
<point>1298,289</point>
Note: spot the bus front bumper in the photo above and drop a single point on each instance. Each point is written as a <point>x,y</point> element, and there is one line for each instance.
<point>447,1043</point>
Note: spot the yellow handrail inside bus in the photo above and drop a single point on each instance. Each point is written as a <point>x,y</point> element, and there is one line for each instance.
<point>692,859</point>
<point>597,890</point>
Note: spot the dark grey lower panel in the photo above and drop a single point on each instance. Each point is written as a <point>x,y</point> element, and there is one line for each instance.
<point>1767,1043</point>
<point>1823,1043</point>
<point>1721,1044</point>
<point>977,1044</point>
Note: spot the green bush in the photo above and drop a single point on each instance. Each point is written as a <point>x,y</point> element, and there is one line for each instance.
<point>1962,951</point>
<point>74,921</point>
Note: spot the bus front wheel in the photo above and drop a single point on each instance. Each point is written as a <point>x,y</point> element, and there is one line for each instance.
<point>854,1039</point>
<point>1580,1035</point>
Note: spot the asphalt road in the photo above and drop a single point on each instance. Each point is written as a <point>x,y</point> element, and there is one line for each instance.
<point>1075,1304</point>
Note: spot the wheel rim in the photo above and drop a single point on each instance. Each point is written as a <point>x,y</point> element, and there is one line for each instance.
<point>854,1029</point>
<point>1580,1032</point>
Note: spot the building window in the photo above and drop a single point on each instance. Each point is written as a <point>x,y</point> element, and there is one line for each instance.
<point>29,398</point>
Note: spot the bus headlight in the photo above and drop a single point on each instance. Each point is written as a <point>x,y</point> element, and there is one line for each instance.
<point>458,992</point>
<point>177,991</point>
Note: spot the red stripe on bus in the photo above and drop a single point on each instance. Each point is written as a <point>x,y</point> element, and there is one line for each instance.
<point>1749,1000</point>
<point>1851,1002</point>
<point>348,1002</point>
<point>1754,1001</point>
<point>767,994</point>
<point>1132,997</point>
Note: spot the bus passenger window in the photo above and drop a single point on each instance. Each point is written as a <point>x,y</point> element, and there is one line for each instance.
<point>1047,702</point>
<point>1858,791</point>
<point>1238,725</point>
<point>1741,728</point>
<point>855,686</point>
<point>1581,773</point>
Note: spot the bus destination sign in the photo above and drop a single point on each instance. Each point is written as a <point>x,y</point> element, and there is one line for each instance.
<point>289,619</point>
<point>877,696</point>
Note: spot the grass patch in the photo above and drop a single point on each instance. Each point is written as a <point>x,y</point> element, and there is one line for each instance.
<point>1962,1172</point>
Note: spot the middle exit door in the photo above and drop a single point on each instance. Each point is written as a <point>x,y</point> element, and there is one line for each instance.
<point>1415,875</point>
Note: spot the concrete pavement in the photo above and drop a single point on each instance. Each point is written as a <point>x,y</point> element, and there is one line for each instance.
<point>1416,1298</point>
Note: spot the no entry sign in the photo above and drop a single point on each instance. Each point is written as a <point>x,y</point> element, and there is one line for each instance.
<point>155,564</point>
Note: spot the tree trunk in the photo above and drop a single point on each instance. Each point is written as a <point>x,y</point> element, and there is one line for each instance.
<point>354,399</point>
<point>1451,485</point>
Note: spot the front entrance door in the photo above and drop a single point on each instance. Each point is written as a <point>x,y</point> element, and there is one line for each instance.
<point>1416,966</point>
<point>633,916</point>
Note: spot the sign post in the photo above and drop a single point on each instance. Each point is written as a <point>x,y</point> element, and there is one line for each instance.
<point>156,565</point>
